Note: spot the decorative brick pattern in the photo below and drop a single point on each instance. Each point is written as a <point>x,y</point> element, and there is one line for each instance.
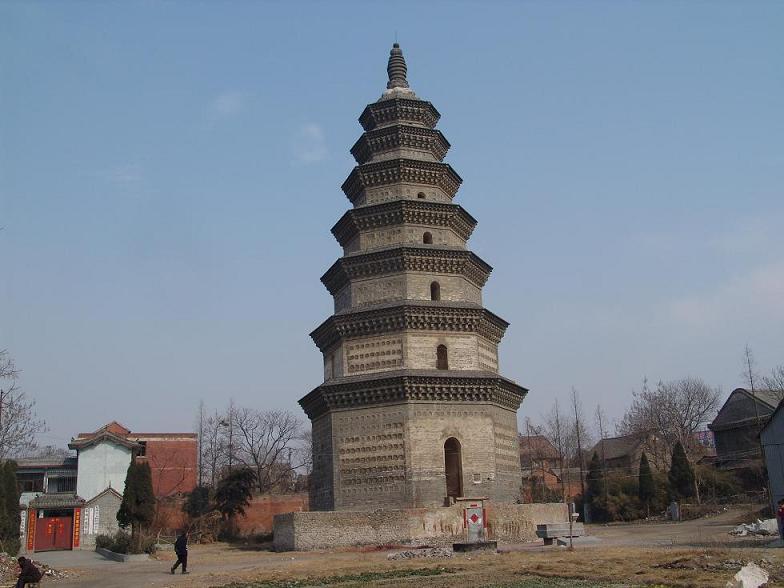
<point>412,411</point>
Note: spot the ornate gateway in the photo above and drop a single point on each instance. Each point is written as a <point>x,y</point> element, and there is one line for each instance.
<point>412,411</point>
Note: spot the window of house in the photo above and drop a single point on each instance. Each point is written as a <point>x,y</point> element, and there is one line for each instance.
<point>435,291</point>
<point>427,238</point>
<point>30,482</point>
<point>64,484</point>
<point>421,195</point>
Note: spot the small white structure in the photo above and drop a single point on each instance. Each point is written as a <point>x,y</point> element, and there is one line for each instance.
<point>103,462</point>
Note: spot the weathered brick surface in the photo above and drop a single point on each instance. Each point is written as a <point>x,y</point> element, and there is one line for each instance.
<point>507,523</point>
<point>259,515</point>
<point>405,233</point>
<point>409,286</point>
<point>393,456</point>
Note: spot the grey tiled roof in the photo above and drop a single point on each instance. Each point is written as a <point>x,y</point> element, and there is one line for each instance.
<point>615,447</point>
<point>57,501</point>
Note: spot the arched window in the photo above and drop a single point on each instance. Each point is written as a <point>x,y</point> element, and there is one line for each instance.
<point>442,361</point>
<point>435,291</point>
<point>427,238</point>
<point>453,468</point>
<point>421,195</point>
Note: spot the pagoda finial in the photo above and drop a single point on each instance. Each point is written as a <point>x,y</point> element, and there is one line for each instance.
<point>396,68</point>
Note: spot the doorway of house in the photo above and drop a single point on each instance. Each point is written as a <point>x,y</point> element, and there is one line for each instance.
<point>453,465</point>
<point>54,530</point>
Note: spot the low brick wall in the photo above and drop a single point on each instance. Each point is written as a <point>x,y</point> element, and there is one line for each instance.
<point>258,518</point>
<point>507,523</point>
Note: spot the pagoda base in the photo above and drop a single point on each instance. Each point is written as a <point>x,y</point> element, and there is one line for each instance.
<point>412,440</point>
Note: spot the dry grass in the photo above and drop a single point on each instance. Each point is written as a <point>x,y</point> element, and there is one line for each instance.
<point>595,566</point>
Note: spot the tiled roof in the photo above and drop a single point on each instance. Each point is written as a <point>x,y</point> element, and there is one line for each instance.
<point>46,462</point>
<point>57,501</point>
<point>615,447</point>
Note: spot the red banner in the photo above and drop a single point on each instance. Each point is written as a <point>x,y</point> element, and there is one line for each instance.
<point>77,526</point>
<point>31,515</point>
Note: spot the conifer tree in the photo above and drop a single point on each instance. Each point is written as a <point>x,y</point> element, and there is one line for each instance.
<point>595,483</point>
<point>681,475</point>
<point>647,487</point>
<point>138,504</point>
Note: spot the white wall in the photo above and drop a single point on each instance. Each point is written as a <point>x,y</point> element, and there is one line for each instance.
<point>102,466</point>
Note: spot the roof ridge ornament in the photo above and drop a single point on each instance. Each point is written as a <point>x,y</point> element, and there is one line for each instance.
<point>396,68</point>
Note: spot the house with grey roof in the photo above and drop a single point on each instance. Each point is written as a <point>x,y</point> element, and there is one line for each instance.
<point>738,424</point>
<point>623,453</point>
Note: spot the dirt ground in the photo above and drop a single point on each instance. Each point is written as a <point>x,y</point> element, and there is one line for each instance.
<point>691,554</point>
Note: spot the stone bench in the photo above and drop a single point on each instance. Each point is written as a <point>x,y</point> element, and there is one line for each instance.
<point>552,531</point>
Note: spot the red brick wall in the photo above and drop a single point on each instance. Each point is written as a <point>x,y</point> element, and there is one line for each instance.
<point>169,516</point>
<point>173,463</point>
<point>258,516</point>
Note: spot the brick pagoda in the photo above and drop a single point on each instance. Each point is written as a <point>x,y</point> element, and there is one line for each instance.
<point>412,411</point>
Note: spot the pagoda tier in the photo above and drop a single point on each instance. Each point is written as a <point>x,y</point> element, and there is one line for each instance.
<point>400,141</point>
<point>412,411</point>
<point>365,222</point>
<point>395,111</point>
<point>370,183</point>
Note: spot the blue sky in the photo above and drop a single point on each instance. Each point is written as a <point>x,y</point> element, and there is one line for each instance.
<point>169,173</point>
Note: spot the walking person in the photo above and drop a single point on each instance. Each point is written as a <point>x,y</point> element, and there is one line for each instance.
<point>28,573</point>
<point>181,549</point>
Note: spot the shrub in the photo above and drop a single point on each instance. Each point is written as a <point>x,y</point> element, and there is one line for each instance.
<point>104,541</point>
<point>120,542</point>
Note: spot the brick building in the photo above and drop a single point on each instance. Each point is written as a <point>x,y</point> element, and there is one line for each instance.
<point>66,502</point>
<point>172,456</point>
<point>413,411</point>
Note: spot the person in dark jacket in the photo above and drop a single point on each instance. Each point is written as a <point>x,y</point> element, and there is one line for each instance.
<point>28,573</point>
<point>181,549</point>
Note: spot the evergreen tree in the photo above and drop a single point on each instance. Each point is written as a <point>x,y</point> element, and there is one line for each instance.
<point>198,502</point>
<point>681,475</point>
<point>595,487</point>
<point>646,488</point>
<point>138,503</point>
<point>9,508</point>
<point>233,494</point>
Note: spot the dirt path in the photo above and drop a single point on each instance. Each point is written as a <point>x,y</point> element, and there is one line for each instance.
<point>693,553</point>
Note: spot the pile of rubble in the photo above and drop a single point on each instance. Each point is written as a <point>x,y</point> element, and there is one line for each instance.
<point>766,527</point>
<point>9,569</point>
<point>419,553</point>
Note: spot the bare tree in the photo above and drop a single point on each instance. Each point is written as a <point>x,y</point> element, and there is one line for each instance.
<point>775,381</point>
<point>213,449</point>
<point>749,374</point>
<point>601,420</point>
<point>266,441</point>
<point>672,412</point>
<point>19,423</point>
<point>579,437</point>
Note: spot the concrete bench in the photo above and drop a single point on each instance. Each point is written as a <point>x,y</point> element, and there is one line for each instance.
<point>552,531</point>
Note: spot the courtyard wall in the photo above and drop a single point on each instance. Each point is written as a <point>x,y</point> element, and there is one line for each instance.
<point>506,523</point>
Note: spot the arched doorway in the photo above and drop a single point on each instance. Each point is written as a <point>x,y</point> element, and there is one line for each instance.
<point>453,466</point>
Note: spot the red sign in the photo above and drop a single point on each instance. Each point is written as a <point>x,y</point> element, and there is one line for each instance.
<point>31,514</point>
<point>77,525</point>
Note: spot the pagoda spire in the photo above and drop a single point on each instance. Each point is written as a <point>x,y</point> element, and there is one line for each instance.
<point>396,68</point>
